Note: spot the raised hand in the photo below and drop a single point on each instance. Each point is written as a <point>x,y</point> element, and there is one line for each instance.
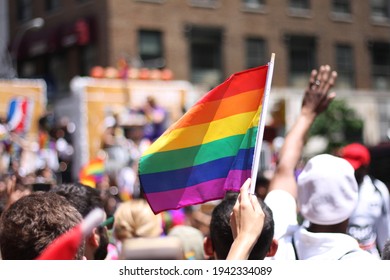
<point>246,221</point>
<point>317,96</point>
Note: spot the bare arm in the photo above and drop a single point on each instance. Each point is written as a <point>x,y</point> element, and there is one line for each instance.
<point>316,99</point>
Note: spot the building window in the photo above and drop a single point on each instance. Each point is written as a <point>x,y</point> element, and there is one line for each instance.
<point>58,66</point>
<point>345,66</point>
<point>299,8</point>
<point>253,4</point>
<point>255,52</point>
<point>302,53</point>
<point>384,119</point>
<point>24,10</point>
<point>206,55</point>
<point>380,10</point>
<point>299,4</point>
<point>341,6</point>
<point>204,3</point>
<point>52,5</point>
<point>88,59</point>
<point>380,59</point>
<point>150,48</point>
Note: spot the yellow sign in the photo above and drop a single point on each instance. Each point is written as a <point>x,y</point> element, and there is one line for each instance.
<point>113,97</point>
<point>34,90</point>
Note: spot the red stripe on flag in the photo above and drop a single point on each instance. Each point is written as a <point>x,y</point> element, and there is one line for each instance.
<point>64,247</point>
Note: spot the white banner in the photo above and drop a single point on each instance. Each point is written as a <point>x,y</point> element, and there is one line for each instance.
<point>164,269</point>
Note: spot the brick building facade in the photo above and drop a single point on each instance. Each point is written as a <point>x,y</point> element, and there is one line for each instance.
<point>205,41</point>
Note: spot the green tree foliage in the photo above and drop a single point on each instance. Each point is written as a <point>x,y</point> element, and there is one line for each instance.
<point>339,124</point>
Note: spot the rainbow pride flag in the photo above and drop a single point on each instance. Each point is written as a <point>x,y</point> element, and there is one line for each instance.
<point>92,173</point>
<point>210,149</point>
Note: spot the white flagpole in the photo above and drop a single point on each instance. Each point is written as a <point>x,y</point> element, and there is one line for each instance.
<point>260,130</point>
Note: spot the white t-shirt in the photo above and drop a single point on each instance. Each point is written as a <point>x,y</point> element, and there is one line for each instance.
<point>370,221</point>
<point>327,246</point>
<point>284,208</point>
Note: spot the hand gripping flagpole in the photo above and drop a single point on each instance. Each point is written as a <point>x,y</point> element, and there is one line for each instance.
<point>260,130</point>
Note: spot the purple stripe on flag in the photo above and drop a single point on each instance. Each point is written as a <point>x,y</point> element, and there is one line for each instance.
<point>236,178</point>
<point>210,190</point>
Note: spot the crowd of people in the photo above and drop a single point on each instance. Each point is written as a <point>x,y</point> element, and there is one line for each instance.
<point>333,210</point>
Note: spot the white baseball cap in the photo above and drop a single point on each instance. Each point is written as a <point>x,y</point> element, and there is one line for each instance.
<point>327,190</point>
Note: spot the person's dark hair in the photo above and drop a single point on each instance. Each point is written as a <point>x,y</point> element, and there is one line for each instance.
<point>85,199</point>
<point>386,251</point>
<point>262,186</point>
<point>33,222</point>
<point>102,250</point>
<point>82,197</point>
<point>361,172</point>
<point>221,233</point>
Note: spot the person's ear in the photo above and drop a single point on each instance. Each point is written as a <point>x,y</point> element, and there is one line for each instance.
<point>273,248</point>
<point>94,238</point>
<point>208,247</point>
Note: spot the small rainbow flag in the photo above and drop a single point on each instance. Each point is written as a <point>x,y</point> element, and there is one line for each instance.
<point>210,149</point>
<point>92,173</point>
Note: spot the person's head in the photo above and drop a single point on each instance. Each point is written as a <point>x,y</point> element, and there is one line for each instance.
<point>327,191</point>
<point>359,157</point>
<point>85,199</point>
<point>33,222</point>
<point>262,186</point>
<point>191,240</point>
<point>151,101</point>
<point>135,218</point>
<point>82,197</point>
<point>221,235</point>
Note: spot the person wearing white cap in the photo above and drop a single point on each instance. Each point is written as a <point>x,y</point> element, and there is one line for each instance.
<point>325,192</point>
